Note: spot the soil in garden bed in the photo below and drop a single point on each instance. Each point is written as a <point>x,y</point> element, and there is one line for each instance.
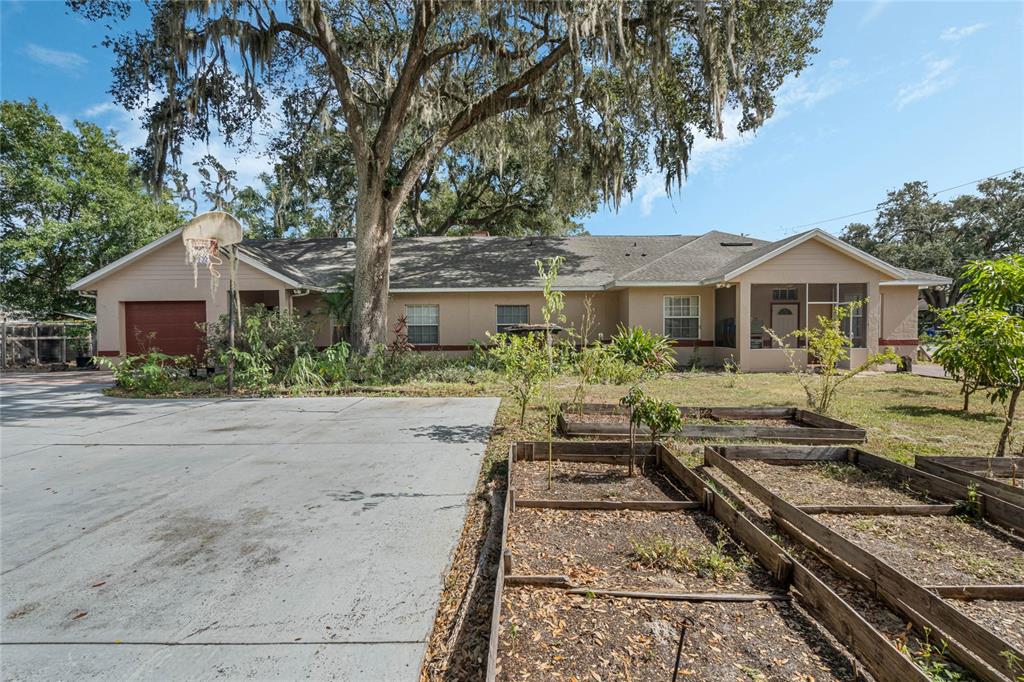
<point>830,483</point>
<point>547,634</point>
<point>634,550</point>
<point>592,481</point>
<point>937,550</point>
<point>1005,618</point>
<point>891,624</point>
<point>595,418</point>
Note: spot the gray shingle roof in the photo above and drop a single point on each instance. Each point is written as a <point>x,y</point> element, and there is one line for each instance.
<point>590,262</point>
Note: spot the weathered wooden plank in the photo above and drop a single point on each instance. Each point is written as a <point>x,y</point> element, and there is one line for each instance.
<point>998,466</point>
<point>683,596</point>
<point>499,583</point>
<point>821,421</point>
<point>878,655</point>
<point>966,592</point>
<point>994,509</point>
<point>987,660</point>
<point>612,505</point>
<point>880,509</point>
<point>988,486</point>
<point>539,580</point>
<point>920,481</point>
<point>783,455</point>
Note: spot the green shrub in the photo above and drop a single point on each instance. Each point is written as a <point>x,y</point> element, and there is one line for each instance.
<point>644,349</point>
<point>272,338</point>
<point>153,372</point>
<point>332,363</point>
<point>524,364</point>
<point>303,373</point>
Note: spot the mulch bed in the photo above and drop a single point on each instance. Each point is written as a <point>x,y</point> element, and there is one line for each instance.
<point>547,634</point>
<point>829,483</point>
<point>591,481</point>
<point>1005,618</point>
<point>937,550</point>
<point>596,549</point>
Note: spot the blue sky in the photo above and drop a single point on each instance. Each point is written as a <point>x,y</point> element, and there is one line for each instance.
<point>899,91</point>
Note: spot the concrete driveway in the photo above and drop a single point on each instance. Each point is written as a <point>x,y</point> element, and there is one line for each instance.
<point>258,539</point>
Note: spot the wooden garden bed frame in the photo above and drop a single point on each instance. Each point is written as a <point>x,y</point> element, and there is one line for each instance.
<point>974,471</point>
<point>817,427</point>
<point>974,646</point>
<point>866,644</point>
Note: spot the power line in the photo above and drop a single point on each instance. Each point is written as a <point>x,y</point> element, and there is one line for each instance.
<point>875,209</point>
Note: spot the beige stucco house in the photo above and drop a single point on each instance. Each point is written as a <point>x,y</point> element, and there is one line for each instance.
<point>715,292</point>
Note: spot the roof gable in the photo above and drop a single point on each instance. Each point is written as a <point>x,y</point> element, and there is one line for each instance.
<point>771,250</point>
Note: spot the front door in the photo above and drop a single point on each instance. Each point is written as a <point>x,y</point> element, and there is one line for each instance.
<point>785,319</point>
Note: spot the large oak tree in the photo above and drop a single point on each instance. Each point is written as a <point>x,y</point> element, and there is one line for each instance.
<point>614,85</point>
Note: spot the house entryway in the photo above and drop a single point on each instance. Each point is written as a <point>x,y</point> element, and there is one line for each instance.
<point>785,319</point>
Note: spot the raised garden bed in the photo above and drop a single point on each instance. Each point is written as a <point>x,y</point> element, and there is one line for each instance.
<point>998,477</point>
<point>927,567</point>
<point>549,632</point>
<point>585,591</point>
<point>782,424</point>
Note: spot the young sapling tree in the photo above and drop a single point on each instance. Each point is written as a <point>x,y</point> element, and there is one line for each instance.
<point>830,346</point>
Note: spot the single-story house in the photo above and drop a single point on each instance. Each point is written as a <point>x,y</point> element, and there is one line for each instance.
<point>716,292</point>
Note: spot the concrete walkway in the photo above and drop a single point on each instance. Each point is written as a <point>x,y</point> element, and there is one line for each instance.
<point>257,539</point>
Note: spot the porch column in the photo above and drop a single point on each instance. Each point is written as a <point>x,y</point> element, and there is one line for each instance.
<point>283,301</point>
<point>873,329</point>
<point>743,324</point>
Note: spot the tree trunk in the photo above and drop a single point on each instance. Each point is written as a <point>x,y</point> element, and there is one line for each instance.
<point>374,222</point>
<point>967,398</point>
<point>1004,438</point>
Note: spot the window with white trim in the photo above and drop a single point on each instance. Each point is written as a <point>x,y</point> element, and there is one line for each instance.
<point>422,323</point>
<point>682,317</point>
<point>509,315</point>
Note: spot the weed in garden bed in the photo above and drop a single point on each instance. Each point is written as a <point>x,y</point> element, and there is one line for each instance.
<point>713,562</point>
<point>838,471</point>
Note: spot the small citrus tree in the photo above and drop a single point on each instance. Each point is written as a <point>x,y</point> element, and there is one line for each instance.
<point>523,362</point>
<point>991,322</point>
<point>830,346</point>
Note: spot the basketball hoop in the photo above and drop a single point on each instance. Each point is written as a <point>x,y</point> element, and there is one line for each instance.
<point>204,236</point>
<point>200,251</point>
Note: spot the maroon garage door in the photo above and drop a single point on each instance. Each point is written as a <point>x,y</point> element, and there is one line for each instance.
<point>173,322</point>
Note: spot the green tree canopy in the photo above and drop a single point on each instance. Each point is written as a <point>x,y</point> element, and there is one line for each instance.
<point>70,203</point>
<point>988,326</point>
<point>619,85</point>
<point>915,230</point>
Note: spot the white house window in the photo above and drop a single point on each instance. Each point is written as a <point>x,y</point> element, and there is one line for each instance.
<point>509,315</point>
<point>422,323</point>
<point>784,294</point>
<point>682,317</point>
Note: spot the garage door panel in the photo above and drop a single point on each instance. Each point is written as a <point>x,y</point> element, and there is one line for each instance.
<point>173,322</point>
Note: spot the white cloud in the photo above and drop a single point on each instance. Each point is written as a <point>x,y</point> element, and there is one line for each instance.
<point>937,77</point>
<point>955,33</point>
<point>67,61</point>
<point>99,109</point>
<point>873,11</point>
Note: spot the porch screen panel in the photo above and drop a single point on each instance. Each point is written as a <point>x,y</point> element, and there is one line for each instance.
<point>422,321</point>
<point>854,325</point>
<point>682,317</point>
